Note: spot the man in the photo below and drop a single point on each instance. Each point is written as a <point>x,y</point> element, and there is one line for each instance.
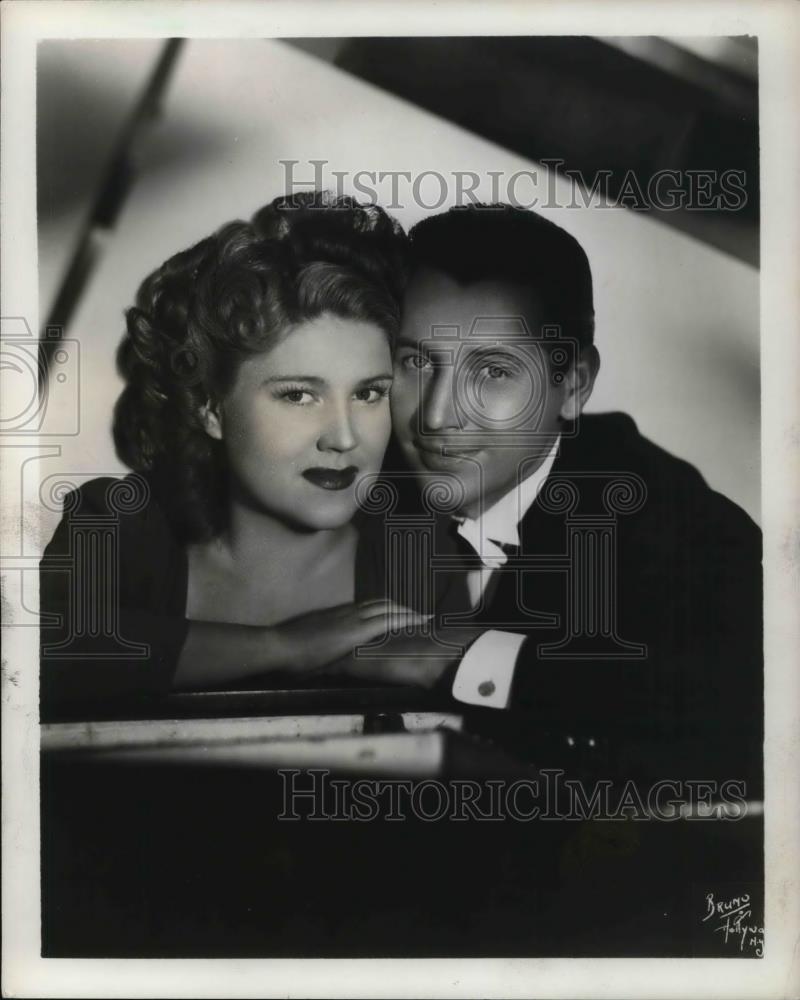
<point>609,601</point>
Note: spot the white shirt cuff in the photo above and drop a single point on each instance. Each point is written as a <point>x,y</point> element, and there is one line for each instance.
<point>485,673</point>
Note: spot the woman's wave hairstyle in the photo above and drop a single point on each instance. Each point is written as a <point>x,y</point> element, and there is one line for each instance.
<point>233,295</point>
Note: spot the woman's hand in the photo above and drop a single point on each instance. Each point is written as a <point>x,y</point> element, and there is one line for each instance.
<point>313,641</point>
<point>418,658</point>
<point>217,653</point>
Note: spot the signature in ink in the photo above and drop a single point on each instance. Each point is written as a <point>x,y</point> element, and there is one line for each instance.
<point>733,918</point>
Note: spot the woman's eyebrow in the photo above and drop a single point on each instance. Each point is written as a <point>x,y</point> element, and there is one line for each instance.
<point>317,380</point>
<point>311,379</point>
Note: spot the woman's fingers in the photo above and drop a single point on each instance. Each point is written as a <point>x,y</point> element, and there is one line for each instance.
<point>363,611</point>
<point>343,612</point>
<point>399,620</point>
<point>391,621</point>
<point>374,609</point>
<point>321,637</point>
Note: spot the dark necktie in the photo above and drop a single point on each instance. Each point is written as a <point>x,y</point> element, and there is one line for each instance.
<point>456,595</point>
<point>453,596</point>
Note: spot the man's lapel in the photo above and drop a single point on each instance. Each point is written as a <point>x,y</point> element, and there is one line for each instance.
<point>522,594</point>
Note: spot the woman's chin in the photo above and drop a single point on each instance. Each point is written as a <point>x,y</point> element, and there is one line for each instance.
<point>323,517</point>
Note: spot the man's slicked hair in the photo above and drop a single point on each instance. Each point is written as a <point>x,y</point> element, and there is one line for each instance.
<point>479,242</point>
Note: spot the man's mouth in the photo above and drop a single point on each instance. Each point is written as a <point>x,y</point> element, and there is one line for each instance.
<point>331,479</point>
<point>443,449</point>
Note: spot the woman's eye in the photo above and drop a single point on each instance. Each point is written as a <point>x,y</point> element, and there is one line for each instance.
<point>372,393</point>
<point>296,396</point>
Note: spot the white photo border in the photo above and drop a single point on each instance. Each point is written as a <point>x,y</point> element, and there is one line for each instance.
<point>777,24</point>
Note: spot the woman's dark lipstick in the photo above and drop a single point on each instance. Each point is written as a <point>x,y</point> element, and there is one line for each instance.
<point>331,479</point>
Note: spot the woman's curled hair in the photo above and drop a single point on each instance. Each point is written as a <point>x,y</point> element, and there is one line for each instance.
<point>232,295</point>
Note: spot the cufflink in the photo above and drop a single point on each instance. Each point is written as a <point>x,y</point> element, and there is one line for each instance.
<point>486,670</point>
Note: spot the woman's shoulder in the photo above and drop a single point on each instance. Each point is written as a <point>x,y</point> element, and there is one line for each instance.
<point>111,495</point>
<point>128,499</point>
<point>126,502</point>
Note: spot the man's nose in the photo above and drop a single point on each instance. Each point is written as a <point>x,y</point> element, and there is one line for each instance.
<point>438,410</point>
<point>338,434</point>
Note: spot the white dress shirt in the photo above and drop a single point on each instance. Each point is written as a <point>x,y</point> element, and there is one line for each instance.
<point>486,671</point>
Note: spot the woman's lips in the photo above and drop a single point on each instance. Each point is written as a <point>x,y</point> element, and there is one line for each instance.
<point>331,479</point>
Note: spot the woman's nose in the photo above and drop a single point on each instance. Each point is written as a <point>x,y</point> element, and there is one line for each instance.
<point>339,433</point>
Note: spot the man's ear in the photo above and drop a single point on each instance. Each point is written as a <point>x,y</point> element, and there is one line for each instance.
<point>579,382</point>
<point>212,422</point>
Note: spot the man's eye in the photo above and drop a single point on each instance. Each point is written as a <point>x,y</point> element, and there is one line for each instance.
<point>495,372</point>
<point>416,362</point>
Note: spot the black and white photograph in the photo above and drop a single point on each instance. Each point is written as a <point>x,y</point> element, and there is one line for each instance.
<point>400,492</point>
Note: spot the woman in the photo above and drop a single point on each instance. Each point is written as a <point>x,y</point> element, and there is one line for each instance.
<point>257,365</point>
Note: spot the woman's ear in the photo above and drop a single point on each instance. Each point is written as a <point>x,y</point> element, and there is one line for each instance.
<point>212,422</point>
<point>579,383</point>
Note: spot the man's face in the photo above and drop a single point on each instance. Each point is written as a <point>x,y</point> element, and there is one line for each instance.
<point>474,396</point>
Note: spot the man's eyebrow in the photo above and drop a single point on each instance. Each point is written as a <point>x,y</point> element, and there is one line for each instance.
<point>410,342</point>
<point>383,377</point>
<point>505,350</point>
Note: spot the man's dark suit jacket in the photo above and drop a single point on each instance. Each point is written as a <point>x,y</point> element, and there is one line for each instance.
<point>677,693</point>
